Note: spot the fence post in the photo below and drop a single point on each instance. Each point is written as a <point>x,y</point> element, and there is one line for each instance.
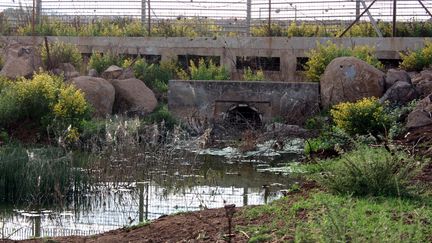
<point>248,16</point>
<point>38,11</point>
<point>269,19</point>
<point>357,8</point>
<point>149,18</point>
<point>143,12</point>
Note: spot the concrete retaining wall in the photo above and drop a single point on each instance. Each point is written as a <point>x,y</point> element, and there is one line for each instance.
<point>228,48</point>
<point>210,100</point>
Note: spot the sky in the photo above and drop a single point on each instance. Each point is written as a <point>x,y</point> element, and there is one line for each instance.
<point>229,9</point>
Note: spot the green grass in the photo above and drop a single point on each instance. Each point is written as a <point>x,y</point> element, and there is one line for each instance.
<point>322,217</point>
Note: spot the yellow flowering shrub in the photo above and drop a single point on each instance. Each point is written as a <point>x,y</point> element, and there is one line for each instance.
<point>45,101</point>
<point>362,117</point>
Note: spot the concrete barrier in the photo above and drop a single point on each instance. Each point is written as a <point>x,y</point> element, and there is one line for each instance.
<point>288,51</point>
<point>213,100</point>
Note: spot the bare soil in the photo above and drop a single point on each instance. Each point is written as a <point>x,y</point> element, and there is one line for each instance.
<point>203,226</point>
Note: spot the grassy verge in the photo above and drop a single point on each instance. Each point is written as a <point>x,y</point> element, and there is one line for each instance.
<point>318,216</point>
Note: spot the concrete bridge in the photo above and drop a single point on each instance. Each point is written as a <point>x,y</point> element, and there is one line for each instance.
<point>243,103</point>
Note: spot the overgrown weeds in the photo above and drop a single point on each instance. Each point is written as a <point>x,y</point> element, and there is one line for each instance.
<point>100,62</point>
<point>204,71</point>
<point>368,171</point>
<point>38,176</point>
<point>417,60</point>
<point>316,216</point>
<point>60,52</point>
<point>249,75</point>
<point>323,54</point>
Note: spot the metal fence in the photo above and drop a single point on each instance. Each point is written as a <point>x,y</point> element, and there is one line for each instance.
<point>230,15</point>
<point>119,208</point>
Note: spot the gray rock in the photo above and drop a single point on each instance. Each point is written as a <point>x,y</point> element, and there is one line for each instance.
<point>67,70</point>
<point>350,79</point>
<point>98,92</point>
<point>421,115</point>
<point>133,97</point>
<point>424,87</point>
<point>127,73</point>
<point>396,75</point>
<point>400,93</point>
<point>112,72</point>
<point>93,73</point>
<point>20,61</point>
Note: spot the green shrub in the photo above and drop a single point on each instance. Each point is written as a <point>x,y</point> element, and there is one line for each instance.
<point>45,101</point>
<point>61,53</point>
<point>155,76</point>
<point>100,62</point>
<point>160,114</point>
<point>417,60</point>
<point>204,71</point>
<point>362,117</point>
<point>331,141</point>
<point>370,171</point>
<point>323,54</point>
<point>49,27</point>
<point>249,75</point>
<point>263,31</point>
<point>307,30</point>
<point>398,115</point>
<point>4,82</point>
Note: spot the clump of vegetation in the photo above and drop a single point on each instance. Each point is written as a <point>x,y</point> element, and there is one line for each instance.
<point>263,30</point>
<point>60,52</point>
<point>100,62</point>
<point>249,75</point>
<point>417,60</point>
<point>325,217</point>
<point>46,102</point>
<point>123,27</point>
<point>155,76</point>
<point>308,30</point>
<point>38,176</point>
<point>204,71</point>
<point>323,54</point>
<point>366,116</point>
<point>331,141</point>
<point>161,114</point>
<point>185,28</point>
<point>370,171</point>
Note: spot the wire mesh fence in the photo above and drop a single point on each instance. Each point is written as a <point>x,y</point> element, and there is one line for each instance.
<point>226,16</point>
<point>120,208</point>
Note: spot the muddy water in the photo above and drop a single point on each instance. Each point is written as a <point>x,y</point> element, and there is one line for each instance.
<point>217,177</point>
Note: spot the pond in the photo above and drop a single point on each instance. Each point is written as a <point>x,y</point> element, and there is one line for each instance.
<point>194,180</point>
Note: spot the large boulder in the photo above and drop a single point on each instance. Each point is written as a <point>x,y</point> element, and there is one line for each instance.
<point>350,79</point>
<point>133,97</point>
<point>400,93</point>
<point>421,115</point>
<point>99,92</point>
<point>20,61</point>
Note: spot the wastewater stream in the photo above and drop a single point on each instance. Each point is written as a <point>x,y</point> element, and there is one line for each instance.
<point>208,178</point>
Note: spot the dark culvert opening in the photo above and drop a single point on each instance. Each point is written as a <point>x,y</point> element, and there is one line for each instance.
<point>243,117</point>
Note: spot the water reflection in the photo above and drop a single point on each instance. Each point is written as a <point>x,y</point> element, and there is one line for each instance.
<point>208,183</point>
